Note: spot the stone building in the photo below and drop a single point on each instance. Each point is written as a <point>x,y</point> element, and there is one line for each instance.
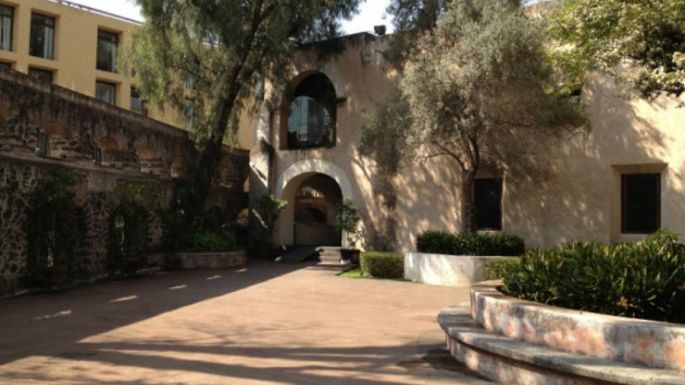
<point>616,182</point>
<point>45,128</point>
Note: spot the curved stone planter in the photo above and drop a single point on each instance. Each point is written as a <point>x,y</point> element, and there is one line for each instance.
<point>632,341</point>
<point>445,270</point>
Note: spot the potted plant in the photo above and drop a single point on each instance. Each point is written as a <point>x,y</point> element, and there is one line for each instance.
<point>347,221</point>
<point>268,210</point>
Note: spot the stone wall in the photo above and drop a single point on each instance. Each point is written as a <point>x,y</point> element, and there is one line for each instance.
<point>43,126</point>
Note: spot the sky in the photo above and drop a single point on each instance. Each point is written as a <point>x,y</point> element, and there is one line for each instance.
<point>372,13</point>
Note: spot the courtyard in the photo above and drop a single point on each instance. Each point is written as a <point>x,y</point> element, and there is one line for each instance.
<point>262,324</point>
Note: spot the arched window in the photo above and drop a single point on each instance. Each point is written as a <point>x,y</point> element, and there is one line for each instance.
<point>312,114</point>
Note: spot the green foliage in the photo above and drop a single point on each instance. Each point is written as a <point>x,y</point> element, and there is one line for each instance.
<point>270,209</point>
<point>382,265</point>
<point>128,227</point>
<point>205,58</point>
<point>411,18</point>
<point>500,268</point>
<point>212,242</point>
<point>347,220</point>
<point>267,210</point>
<point>224,48</point>
<point>599,35</point>
<point>54,226</point>
<point>210,230</point>
<point>644,279</point>
<point>384,136</point>
<point>497,244</point>
<point>473,86</point>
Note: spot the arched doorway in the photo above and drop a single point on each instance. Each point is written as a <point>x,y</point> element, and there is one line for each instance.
<point>296,176</point>
<point>314,212</point>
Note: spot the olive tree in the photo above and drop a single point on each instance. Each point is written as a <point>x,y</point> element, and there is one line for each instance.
<point>473,81</point>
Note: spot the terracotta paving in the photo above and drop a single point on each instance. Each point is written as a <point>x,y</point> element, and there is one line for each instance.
<point>264,324</point>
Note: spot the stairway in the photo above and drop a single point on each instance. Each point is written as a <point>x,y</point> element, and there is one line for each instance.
<point>326,255</point>
<point>330,255</point>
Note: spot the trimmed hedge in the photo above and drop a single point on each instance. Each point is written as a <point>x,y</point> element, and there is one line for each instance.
<point>499,268</point>
<point>498,244</point>
<point>643,280</point>
<point>382,265</point>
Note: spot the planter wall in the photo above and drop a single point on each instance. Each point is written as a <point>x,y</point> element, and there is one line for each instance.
<point>633,341</point>
<point>190,261</point>
<point>445,270</point>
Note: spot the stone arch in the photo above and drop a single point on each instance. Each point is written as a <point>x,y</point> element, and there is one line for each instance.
<point>289,183</point>
<point>314,166</point>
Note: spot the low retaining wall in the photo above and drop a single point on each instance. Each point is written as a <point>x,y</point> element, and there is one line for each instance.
<point>445,270</point>
<point>189,261</point>
<point>634,341</point>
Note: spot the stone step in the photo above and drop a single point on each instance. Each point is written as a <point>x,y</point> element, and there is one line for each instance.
<point>332,261</point>
<point>511,361</point>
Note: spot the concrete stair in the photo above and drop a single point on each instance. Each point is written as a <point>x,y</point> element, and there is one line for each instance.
<point>330,255</point>
<point>326,255</point>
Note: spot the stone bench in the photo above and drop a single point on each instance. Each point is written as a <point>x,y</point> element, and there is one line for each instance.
<point>515,362</point>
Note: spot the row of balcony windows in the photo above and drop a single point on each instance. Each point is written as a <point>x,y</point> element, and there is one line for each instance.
<point>42,39</point>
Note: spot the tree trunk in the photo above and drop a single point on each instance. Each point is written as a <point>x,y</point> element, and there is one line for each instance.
<point>223,108</point>
<point>468,209</point>
<point>210,158</point>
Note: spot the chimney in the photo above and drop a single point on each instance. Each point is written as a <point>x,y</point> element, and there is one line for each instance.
<point>379,30</point>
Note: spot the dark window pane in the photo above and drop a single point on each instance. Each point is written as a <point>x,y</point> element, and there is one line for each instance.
<point>39,74</point>
<point>43,148</point>
<point>312,114</point>
<point>641,203</point>
<point>137,104</point>
<point>191,82</point>
<point>488,202</point>
<point>107,51</point>
<point>42,42</point>
<point>189,113</point>
<point>6,27</point>
<point>107,92</point>
<point>5,65</point>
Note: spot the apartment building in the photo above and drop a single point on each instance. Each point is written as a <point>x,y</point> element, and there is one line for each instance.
<point>78,47</point>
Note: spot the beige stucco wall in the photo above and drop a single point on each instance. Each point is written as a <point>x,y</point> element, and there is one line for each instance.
<point>74,64</point>
<point>575,195</point>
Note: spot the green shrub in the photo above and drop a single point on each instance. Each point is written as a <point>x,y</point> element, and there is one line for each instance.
<point>212,242</point>
<point>382,265</point>
<point>644,279</point>
<point>498,244</point>
<point>499,268</point>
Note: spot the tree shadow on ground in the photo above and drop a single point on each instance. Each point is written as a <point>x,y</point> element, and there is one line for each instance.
<point>49,324</point>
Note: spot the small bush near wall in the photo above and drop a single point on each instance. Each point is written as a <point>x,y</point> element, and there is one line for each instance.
<point>643,280</point>
<point>499,244</point>
<point>382,265</point>
<point>499,268</point>
<point>212,242</point>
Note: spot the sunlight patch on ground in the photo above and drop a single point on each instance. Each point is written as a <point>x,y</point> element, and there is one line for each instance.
<point>124,299</point>
<point>62,313</point>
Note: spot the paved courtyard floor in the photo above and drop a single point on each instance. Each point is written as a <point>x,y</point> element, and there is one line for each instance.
<point>264,324</point>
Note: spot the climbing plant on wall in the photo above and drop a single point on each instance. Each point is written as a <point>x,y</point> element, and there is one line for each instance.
<point>53,227</point>
<point>129,224</point>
